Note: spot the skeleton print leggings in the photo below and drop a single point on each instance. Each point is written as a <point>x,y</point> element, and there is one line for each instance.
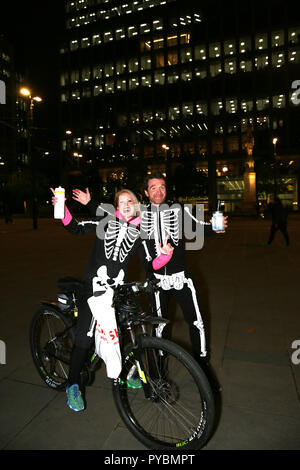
<point>187,299</point>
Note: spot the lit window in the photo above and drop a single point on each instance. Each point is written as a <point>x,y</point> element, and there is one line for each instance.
<point>147,116</point>
<point>230,66</point>
<point>261,41</point>
<point>109,86</point>
<point>133,83</point>
<point>229,48</point>
<point>263,122</point>
<point>294,35</point>
<point>158,42</point>
<point>160,116</point>
<point>144,28</point>
<point>121,85</point>
<point>120,33</point>
<point>97,90</point>
<point>201,107</point>
<point>75,95</point>
<point>133,65</point>
<point>75,76</point>
<point>214,50</point>
<point>97,72</point>
<point>278,101</point>
<point>159,78</point>
<point>216,107</point>
<point>134,118</point>
<point>246,106</point>
<point>159,60</point>
<point>120,67</point>
<point>146,80</point>
<point>231,106</point>
<point>187,109</point>
<point>277,38</point>
<point>96,39</point>
<point>197,18</point>
<point>246,65</point>
<point>132,31</point>
<point>294,56</point>
<point>74,45</point>
<point>174,113</point>
<point>172,58</point>
<point>145,62</point>
<point>85,42</point>
<point>186,55</point>
<point>200,72</point>
<point>85,74</point>
<point>108,36</point>
<point>109,70</point>
<point>262,103</point>
<point>173,76</point>
<point>215,69</point>
<point>261,61</point>
<point>200,52</point>
<point>277,59</point>
<point>157,25</point>
<point>99,140</point>
<point>245,44</point>
<point>186,75</point>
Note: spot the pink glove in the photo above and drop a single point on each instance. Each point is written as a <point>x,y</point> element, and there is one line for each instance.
<point>161,261</point>
<point>67,218</point>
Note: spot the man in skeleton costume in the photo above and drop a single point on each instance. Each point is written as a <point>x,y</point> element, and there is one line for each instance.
<point>157,222</point>
<point>113,248</point>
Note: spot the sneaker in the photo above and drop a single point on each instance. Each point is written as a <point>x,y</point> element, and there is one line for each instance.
<point>75,400</point>
<point>134,383</point>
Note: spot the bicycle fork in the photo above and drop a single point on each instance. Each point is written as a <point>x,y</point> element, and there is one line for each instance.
<point>138,364</point>
<point>147,367</point>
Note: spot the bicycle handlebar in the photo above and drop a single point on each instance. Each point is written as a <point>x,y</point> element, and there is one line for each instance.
<point>149,286</point>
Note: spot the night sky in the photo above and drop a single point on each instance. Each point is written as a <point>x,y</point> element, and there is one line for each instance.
<point>34,29</point>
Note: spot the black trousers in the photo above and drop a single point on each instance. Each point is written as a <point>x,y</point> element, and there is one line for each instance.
<point>282,228</point>
<point>82,341</point>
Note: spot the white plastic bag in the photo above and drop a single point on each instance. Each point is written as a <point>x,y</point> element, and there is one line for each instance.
<point>106,332</point>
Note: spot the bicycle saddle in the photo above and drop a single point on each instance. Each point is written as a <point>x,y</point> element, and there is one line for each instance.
<point>68,284</point>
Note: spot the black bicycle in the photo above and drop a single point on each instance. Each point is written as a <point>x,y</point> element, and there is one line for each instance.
<point>161,394</point>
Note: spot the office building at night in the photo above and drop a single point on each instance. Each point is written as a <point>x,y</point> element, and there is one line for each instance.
<point>208,87</point>
<point>7,108</point>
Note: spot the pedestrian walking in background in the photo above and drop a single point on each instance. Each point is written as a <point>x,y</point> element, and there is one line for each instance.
<point>279,221</point>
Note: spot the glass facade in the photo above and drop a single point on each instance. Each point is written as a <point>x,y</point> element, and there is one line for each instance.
<point>155,72</point>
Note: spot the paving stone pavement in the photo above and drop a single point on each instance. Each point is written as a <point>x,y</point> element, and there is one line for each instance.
<point>249,301</point>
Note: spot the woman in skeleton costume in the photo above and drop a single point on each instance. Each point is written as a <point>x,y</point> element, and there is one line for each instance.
<point>118,237</point>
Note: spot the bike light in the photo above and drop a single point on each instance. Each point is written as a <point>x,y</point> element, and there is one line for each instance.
<point>64,301</point>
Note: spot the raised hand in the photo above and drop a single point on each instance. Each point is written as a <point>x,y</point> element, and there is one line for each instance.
<point>166,249</point>
<point>81,196</point>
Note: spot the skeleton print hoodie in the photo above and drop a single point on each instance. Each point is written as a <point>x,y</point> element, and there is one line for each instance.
<point>116,241</point>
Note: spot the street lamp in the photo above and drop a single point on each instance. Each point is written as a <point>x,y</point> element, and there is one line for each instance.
<point>275,140</point>
<point>166,148</point>
<point>26,93</point>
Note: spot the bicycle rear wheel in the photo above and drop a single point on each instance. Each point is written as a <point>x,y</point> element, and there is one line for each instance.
<point>179,414</point>
<point>51,342</point>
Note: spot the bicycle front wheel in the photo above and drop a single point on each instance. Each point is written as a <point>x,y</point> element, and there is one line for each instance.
<point>51,342</point>
<point>178,413</point>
